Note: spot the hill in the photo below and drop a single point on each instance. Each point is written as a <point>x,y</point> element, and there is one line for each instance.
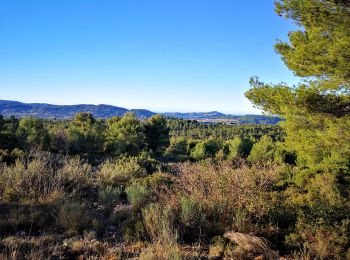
<point>42,110</point>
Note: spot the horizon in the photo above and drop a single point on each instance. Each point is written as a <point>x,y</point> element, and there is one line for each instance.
<point>160,112</point>
<point>164,57</point>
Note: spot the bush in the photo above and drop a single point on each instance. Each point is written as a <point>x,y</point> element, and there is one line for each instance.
<point>191,213</point>
<point>109,196</point>
<point>121,170</point>
<point>238,199</point>
<point>178,150</point>
<point>158,224</point>
<point>319,239</point>
<point>74,217</point>
<point>75,175</point>
<point>238,148</point>
<point>138,194</point>
<point>34,180</point>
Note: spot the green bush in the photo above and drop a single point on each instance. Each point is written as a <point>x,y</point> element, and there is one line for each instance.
<point>191,214</point>
<point>319,240</point>
<point>121,170</point>
<point>263,151</point>
<point>205,149</point>
<point>138,194</point>
<point>75,175</point>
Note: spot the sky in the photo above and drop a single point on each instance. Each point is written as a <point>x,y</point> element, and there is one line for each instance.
<point>162,55</point>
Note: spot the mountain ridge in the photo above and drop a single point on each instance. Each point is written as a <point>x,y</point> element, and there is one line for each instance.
<point>103,111</point>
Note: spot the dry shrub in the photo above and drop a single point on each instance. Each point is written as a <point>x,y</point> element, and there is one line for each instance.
<point>234,197</point>
<point>75,175</point>
<point>320,239</point>
<point>74,217</point>
<point>25,181</point>
<point>43,178</point>
<point>158,224</point>
<point>29,247</point>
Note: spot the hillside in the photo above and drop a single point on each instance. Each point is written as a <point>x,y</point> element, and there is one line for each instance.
<point>42,110</point>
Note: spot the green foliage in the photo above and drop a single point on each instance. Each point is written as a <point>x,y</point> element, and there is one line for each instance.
<point>205,149</point>
<point>177,150</point>
<point>85,136</point>
<point>322,46</point>
<point>121,170</point>
<point>32,132</point>
<point>319,239</point>
<point>238,148</point>
<point>157,134</point>
<point>192,129</point>
<point>158,224</point>
<point>263,151</point>
<point>59,138</point>
<point>224,198</point>
<point>191,214</point>
<point>109,196</point>
<point>75,176</point>
<point>32,181</point>
<point>316,111</point>
<point>124,135</point>
<point>138,194</point>
<point>317,123</point>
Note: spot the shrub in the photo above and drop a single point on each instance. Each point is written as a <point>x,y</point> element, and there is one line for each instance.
<point>178,150</point>
<point>230,198</point>
<point>29,181</point>
<point>317,239</point>
<point>158,224</point>
<point>122,170</point>
<point>76,176</point>
<point>191,213</point>
<point>138,194</point>
<point>74,217</point>
<point>109,196</point>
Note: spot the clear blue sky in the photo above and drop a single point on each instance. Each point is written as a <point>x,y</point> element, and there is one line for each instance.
<point>163,55</point>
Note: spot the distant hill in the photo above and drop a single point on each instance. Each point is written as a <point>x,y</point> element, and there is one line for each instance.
<point>42,110</point>
<point>198,115</point>
<point>19,109</point>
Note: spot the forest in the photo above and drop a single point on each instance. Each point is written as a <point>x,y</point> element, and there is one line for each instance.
<point>162,188</point>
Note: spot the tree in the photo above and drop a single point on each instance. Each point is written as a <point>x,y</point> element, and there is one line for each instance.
<point>33,133</point>
<point>157,134</point>
<point>238,148</point>
<point>86,135</point>
<point>317,111</point>
<point>263,151</point>
<point>205,149</point>
<point>177,150</point>
<point>125,135</point>
<point>8,131</point>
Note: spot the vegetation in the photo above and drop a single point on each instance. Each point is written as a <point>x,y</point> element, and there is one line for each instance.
<point>163,188</point>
